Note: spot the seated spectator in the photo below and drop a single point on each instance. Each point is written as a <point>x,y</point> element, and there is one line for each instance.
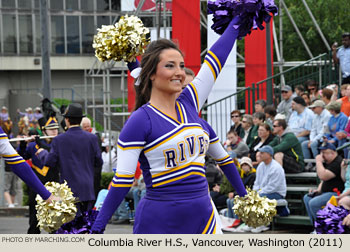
<point>312,88</point>
<point>306,98</point>
<point>235,146</point>
<point>345,102</point>
<point>270,180</point>
<point>258,118</point>
<point>328,167</point>
<point>318,126</point>
<point>344,197</point>
<point>237,124</point>
<point>248,177</point>
<point>285,106</point>
<point>270,113</point>
<point>300,120</point>
<point>260,105</point>
<point>265,136</point>
<point>336,123</point>
<point>327,95</point>
<point>343,88</point>
<point>247,125</point>
<point>298,90</point>
<point>287,148</point>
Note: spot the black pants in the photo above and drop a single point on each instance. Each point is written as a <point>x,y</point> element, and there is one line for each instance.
<point>84,206</point>
<point>33,221</point>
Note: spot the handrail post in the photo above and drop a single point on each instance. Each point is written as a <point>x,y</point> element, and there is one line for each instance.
<point>253,97</point>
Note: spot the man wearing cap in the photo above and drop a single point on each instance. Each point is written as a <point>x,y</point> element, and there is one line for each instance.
<point>285,106</point>
<point>37,113</point>
<point>328,167</point>
<point>300,120</point>
<point>342,56</point>
<point>287,148</point>
<point>76,152</point>
<point>29,114</point>
<point>318,127</point>
<point>49,127</point>
<point>336,123</point>
<point>4,116</point>
<point>270,179</point>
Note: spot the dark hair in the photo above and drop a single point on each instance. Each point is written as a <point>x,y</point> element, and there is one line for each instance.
<point>189,72</point>
<point>300,87</point>
<point>74,120</point>
<point>262,103</point>
<point>271,110</point>
<point>326,92</point>
<point>282,123</point>
<point>311,83</point>
<point>259,115</point>
<point>346,34</point>
<point>236,112</point>
<point>266,126</point>
<point>149,63</point>
<point>232,131</point>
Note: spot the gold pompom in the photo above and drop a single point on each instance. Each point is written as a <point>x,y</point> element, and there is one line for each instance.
<point>123,41</point>
<point>254,210</point>
<point>51,216</point>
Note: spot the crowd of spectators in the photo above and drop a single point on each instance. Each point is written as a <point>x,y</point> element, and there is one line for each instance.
<point>300,134</point>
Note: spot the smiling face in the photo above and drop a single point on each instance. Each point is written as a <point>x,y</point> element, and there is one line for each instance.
<point>170,74</point>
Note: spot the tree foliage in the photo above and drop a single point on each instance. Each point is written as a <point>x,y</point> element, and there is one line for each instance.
<point>332,17</point>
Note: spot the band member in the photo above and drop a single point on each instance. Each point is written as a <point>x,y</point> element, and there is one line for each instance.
<point>21,168</point>
<point>49,127</point>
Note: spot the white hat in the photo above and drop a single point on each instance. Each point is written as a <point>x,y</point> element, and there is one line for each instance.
<point>280,116</point>
<point>29,109</point>
<point>37,108</point>
<point>3,107</point>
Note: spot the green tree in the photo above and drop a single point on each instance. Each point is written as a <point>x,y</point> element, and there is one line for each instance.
<point>332,17</point>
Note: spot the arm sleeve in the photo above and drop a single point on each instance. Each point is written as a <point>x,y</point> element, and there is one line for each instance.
<point>227,166</point>
<point>213,63</point>
<point>20,167</point>
<point>130,144</point>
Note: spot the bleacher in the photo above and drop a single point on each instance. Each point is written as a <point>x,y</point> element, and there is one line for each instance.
<point>298,184</point>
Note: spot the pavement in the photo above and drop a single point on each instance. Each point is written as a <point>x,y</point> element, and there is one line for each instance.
<point>19,225</point>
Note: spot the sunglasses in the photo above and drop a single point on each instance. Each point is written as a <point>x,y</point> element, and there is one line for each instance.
<point>234,116</point>
<point>283,92</point>
<point>311,89</point>
<point>275,126</point>
<point>244,121</point>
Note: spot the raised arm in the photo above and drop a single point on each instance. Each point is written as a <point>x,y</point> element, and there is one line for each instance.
<point>214,62</point>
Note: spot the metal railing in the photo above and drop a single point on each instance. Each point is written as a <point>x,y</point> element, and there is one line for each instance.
<point>320,69</point>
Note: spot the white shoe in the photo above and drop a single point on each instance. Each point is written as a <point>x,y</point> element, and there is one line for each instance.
<point>260,229</point>
<point>229,229</point>
<point>11,205</point>
<point>313,232</point>
<point>246,228</point>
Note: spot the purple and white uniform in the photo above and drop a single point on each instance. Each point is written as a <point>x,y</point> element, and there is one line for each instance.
<point>171,153</point>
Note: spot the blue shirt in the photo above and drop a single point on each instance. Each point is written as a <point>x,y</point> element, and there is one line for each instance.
<point>319,125</point>
<point>300,122</point>
<point>336,124</point>
<point>343,55</point>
